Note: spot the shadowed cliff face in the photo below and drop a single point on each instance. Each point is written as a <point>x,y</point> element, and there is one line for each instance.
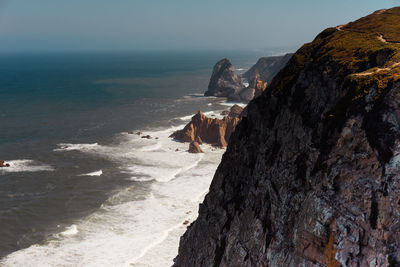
<point>311,177</point>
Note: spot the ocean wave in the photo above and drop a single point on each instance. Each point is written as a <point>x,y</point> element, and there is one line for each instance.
<point>139,227</point>
<point>71,147</point>
<point>95,173</point>
<point>229,104</point>
<point>70,231</point>
<point>25,165</point>
<point>127,230</point>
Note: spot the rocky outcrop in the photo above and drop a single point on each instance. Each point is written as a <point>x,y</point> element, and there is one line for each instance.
<point>311,176</point>
<point>209,130</point>
<point>267,67</point>
<point>235,111</point>
<point>255,89</point>
<point>3,164</point>
<point>224,82</point>
<point>194,147</point>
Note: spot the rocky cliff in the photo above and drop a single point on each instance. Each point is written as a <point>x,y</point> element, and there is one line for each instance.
<point>267,67</point>
<point>311,176</point>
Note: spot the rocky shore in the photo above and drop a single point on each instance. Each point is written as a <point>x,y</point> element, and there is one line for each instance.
<point>209,130</point>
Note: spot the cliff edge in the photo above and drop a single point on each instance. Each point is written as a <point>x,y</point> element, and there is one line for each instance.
<point>311,176</point>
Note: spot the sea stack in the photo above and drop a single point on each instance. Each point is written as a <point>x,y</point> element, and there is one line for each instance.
<point>311,176</point>
<point>224,82</point>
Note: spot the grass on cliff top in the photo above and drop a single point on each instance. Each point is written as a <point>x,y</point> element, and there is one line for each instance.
<point>357,44</point>
<point>356,47</point>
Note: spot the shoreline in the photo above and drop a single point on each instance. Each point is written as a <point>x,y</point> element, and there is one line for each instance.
<point>79,232</point>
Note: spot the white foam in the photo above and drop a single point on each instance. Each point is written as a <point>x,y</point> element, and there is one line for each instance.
<point>71,147</point>
<point>70,231</point>
<point>96,173</point>
<point>230,104</point>
<point>134,227</point>
<point>25,165</point>
<point>127,231</point>
<point>186,118</point>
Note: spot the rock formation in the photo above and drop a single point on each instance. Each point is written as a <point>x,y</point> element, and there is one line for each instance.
<point>194,147</point>
<point>255,89</point>
<point>2,164</point>
<point>224,82</point>
<point>311,176</point>
<point>235,111</point>
<point>209,130</point>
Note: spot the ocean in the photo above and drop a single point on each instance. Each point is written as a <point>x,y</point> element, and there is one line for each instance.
<point>83,188</point>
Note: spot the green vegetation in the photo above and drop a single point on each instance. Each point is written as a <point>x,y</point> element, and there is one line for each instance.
<point>365,52</point>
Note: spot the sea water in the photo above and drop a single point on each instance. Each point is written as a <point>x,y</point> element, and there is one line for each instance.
<point>83,188</point>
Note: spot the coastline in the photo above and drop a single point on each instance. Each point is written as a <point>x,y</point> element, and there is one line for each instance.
<point>162,202</point>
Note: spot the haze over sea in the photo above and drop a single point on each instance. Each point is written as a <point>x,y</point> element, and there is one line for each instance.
<point>80,189</point>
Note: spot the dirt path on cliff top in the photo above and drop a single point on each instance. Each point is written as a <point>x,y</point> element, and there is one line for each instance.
<point>381,38</point>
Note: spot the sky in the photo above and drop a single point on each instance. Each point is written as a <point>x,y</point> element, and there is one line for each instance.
<point>119,25</point>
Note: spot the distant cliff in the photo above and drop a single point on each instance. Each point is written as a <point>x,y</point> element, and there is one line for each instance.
<point>267,67</point>
<point>224,82</point>
<point>311,176</point>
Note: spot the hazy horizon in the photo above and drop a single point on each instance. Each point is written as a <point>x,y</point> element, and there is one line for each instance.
<point>54,26</point>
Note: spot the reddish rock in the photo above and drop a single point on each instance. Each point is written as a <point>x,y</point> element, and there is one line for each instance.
<point>209,130</point>
<point>225,112</point>
<point>2,164</point>
<point>194,147</point>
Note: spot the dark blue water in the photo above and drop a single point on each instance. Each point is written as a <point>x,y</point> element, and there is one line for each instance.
<point>48,99</point>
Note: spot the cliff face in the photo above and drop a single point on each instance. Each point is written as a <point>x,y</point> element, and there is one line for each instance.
<point>224,82</point>
<point>267,67</point>
<point>311,177</point>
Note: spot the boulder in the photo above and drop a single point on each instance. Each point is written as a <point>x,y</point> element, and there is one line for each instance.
<point>3,164</point>
<point>194,147</point>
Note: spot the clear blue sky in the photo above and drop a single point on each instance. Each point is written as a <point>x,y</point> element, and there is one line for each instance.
<point>43,25</point>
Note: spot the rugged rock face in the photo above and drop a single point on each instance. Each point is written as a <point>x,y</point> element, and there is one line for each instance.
<point>203,129</point>
<point>224,82</point>
<point>255,89</point>
<point>311,177</point>
<point>235,111</point>
<point>194,147</point>
<point>267,67</point>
